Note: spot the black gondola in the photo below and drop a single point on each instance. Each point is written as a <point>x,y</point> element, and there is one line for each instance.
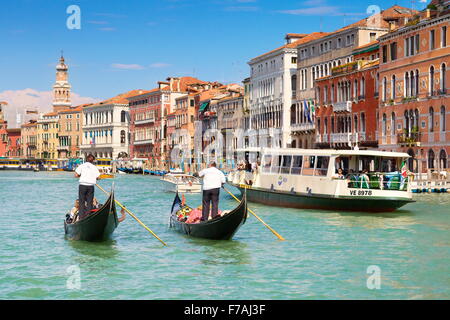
<point>222,228</point>
<point>98,226</point>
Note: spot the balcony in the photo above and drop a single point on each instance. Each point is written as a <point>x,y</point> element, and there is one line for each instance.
<point>144,121</point>
<point>409,139</point>
<point>302,127</point>
<point>60,148</point>
<point>142,142</point>
<point>345,106</point>
<point>344,137</point>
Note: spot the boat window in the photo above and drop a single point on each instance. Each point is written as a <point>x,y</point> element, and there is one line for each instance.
<point>322,166</point>
<point>267,163</point>
<point>308,165</point>
<point>286,167</point>
<point>342,163</point>
<point>297,165</point>
<point>276,164</point>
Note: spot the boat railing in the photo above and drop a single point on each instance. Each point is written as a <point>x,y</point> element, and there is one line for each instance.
<point>378,181</point>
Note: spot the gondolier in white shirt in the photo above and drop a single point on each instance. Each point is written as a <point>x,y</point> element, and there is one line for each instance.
<point>213,180</point>
<point>88,174</point>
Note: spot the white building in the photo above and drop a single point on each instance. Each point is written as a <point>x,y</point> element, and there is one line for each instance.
<point>272,90</point>
<point>106,128</point>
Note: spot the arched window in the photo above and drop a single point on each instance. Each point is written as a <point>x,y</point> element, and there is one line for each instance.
<point>384,125</point>
<point>431,159</point>
<point>443,124</point>
<point>363,88</point>
<point>443,159</point>
<point>431,119</point>
<point>443,79</point>
<point>355,123</point>
<point>393,123</point>
<point>293,114</point>
<point>393,90</point>
<point>406,85</point>
<point>384,89</point>
<point>123,116</point>
<point>122,136</point>
<point>413,84</point>
<point>431,81</point>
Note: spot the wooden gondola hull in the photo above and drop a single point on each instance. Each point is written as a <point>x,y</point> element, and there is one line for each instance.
<point>223,228</point>
<point>98,226</point>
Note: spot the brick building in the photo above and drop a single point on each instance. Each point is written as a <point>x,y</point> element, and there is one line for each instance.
<point>414,112</point>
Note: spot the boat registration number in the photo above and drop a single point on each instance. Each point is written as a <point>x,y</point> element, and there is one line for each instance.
<point>360,192</point>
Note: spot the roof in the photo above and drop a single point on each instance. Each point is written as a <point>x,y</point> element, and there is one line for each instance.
<point>120,98</point>
<point>29,124</point>
<point>13,130</point>
<point>75,109</point>
<point>3,102</point>
<point>295,44</point>
<point>51,114</point>
<point>330,152</point>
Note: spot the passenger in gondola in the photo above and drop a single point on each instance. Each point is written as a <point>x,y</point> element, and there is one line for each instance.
<point>72,215</point>
<point>213,180</point>
<point>88,174</point>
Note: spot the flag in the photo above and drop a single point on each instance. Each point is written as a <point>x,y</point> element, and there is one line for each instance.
<point>313,109</point>
<point>306,108</point>
<point>404,175</point>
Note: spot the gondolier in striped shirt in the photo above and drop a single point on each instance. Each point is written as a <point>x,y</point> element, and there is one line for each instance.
<point>213,180</point>
<point>88,174</point>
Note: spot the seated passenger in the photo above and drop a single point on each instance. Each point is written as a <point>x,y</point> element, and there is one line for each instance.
<point>73,213</point>
<point>95,204</point>
<point>339,175</point>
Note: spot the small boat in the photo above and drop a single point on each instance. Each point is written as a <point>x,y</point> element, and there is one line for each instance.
<point>98,226</point>
<point>222,228</point>
<point>182,183</point>
<point>106,176</point>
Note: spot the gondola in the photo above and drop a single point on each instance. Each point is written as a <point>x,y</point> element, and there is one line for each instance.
<point>98,226</point>
<point>222,228</point>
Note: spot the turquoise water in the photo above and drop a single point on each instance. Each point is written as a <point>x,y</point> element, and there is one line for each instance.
<point>326,254</point>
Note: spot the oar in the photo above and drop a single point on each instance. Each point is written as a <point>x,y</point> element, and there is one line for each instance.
<point>254,214</point>
<point>134,217</point>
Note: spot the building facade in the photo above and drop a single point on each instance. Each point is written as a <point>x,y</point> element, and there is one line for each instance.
<point>47,136</point>
<point>13,148</point>
<point>70,132</point>
<point>3,127</point>
<point>347,107</point>
<point>106,127</point>
<point>29,139</point>
<point>317,58</point>
<point>414,112</point>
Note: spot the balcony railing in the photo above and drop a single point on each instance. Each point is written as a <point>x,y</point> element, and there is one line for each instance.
<point>412,138</point>
<point>141,142</point>
<point>144,121</point>
<point>345,106</point>
<point>302,127</point>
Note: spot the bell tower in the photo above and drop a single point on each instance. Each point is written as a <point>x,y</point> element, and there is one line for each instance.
<point>61,88</point>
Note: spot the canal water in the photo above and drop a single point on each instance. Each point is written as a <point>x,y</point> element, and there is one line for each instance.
<point>326,255</point>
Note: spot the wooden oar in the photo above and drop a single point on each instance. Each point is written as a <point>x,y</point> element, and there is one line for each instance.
<point>134,217</point>
<point>254,214</point>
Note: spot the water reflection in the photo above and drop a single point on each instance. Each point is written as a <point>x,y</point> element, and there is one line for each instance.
<point>223,252</point>
<point>103,250</point>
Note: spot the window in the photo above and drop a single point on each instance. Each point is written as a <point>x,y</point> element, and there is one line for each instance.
<point>122,136</point>
<point>373,36</point>
<point>385,54</point>
<point>384,125</point>
<point>431,119</point>
<point>294,60</point>
<point>431,81</point>
<point>443,126</point>
<point>286,164</point>
<point>322,166</point>
<point>443,79</point>
<point>308,165</point>
<point>393,123</point>
<point>339,43</point>
<point>276,161</point>
<point>297,165</point>
<point>123,116</point>
<point>393,87</point>
<point>443,37</point>
<point>432,40</point>
<point>394,51</point>
<point>384,89</point>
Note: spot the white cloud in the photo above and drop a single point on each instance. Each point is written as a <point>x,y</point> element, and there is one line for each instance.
<point>30,99</point>
<point>159,65</point>
<point>127,66</point>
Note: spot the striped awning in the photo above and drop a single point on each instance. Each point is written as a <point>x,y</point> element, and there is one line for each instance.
<point>204,106</point>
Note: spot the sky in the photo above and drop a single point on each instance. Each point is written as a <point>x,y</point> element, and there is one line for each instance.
<point>131,44</point>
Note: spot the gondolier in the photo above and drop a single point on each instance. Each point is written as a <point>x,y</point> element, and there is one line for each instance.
<point>213,180</point>
<point>88,174</point>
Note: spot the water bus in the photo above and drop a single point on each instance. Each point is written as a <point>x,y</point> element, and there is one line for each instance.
<point>27,164</point>
<point>368,181</point>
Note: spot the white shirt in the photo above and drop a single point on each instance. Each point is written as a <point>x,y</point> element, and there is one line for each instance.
<point>213,178</point>
<point>88,174</point>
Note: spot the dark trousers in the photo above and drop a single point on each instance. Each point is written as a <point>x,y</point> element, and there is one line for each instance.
<point>85,196</point>
<point>208,197</point>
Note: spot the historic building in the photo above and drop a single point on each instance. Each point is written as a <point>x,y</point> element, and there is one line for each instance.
<point>318,57</point>
<point>70,132</point>
<point>29,139</point>
<point>13,148</point>
<point>414,112</point>
<point>47,136</point>
<point>106,127</point>
<point>61,88</point>
<point>272,91</point>
<point>3,127</point>
<point>347,103</point>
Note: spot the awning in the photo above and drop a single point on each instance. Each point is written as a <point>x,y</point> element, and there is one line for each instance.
<point>204,106</point>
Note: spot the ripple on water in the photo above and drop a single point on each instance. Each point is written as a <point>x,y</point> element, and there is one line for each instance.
<point>326,254</point>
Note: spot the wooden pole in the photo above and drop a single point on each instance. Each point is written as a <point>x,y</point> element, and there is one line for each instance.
<point>134,217</point>
<point>260,220</point>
